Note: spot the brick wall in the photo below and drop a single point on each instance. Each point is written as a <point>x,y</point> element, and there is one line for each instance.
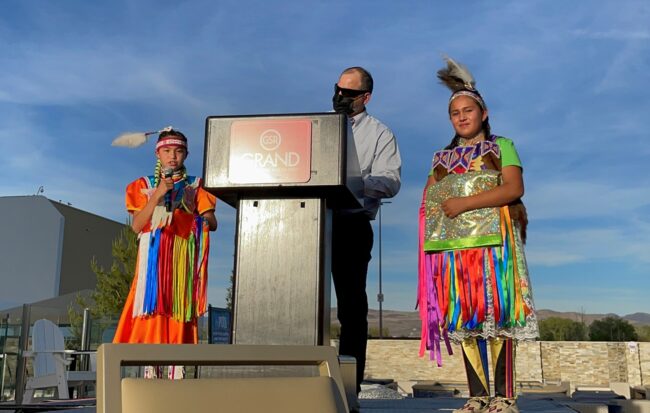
<point>582,363</point>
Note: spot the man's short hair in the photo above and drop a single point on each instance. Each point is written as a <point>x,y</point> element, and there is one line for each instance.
<point>366,78</point>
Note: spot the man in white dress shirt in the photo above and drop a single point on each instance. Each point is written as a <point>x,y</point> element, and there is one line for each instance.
<point>352,238</point>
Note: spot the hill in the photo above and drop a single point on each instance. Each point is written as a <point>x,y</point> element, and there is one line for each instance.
<point>637,319</point>
<point>398,323</point>
<point>407,323</point>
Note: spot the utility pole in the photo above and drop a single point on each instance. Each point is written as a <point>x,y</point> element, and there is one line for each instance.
<point>380,295</point>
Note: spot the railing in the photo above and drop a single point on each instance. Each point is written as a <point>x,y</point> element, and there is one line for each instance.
<point>12,342</point>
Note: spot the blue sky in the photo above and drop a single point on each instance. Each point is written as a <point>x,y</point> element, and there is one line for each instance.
<point>566,80</point>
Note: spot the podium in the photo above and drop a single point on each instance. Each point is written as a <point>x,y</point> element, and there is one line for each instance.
<point>284,174</point>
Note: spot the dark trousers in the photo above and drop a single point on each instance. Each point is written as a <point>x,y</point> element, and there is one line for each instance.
<point>351,245</point>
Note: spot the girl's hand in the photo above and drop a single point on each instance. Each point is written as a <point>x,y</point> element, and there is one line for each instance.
<point>454,207</point>
<point>211,220</point>
<point>511,189</point>
<point>165,185</point>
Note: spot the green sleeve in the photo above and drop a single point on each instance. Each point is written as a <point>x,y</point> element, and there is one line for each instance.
<point>509,155</point>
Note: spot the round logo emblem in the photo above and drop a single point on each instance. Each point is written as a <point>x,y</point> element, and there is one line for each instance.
<point>270,139</point>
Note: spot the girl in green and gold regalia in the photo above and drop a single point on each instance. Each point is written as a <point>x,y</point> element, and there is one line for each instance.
<point>473,280</point>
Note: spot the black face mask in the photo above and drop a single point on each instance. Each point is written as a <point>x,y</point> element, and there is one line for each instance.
<point>342,104</point>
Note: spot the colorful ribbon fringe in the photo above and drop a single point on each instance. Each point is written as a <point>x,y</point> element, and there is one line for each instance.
<point>172,273</point>
<point>452,288</point>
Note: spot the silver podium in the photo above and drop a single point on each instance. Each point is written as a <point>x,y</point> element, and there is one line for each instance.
<point>284,174</point>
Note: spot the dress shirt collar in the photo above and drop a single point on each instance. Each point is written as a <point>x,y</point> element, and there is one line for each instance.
<point>358,117</point>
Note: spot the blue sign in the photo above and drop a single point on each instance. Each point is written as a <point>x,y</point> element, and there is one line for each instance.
<point>220,321</point>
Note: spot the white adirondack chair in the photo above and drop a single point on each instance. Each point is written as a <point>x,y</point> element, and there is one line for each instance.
<point>51,360</point>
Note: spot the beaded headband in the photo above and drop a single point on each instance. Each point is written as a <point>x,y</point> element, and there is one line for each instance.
<point>468,93</point>
<point>171,140</point>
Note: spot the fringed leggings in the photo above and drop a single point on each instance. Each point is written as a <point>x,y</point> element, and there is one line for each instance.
<point>476,366</point>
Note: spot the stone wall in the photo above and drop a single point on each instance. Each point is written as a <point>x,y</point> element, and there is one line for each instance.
<point>644,363</point>
<point>581,363</point>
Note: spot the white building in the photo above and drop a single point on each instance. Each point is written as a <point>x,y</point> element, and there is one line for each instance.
<point>46,248</point>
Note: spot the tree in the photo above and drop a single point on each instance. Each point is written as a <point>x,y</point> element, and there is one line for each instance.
<point>229,291</point>
<point>612,329</point>
<point>109,295</point>
<point>562,329</point>
<point>643,332</point>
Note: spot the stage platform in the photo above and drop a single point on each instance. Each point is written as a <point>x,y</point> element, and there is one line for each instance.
<point>406,405</point>
<point>448,404</point>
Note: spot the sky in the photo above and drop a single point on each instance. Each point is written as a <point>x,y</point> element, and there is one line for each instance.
<point>568,81</point>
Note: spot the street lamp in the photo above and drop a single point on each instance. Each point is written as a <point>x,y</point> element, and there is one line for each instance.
<point>380,295</point>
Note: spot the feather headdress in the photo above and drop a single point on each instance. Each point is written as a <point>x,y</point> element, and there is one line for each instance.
<point>135,139</point>
<point>459,80</point>
<point>456,76</point>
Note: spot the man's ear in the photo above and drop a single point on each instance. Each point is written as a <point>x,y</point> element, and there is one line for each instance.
<point>367,98</point>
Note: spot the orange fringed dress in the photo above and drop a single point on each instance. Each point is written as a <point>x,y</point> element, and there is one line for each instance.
<point>169,288</point>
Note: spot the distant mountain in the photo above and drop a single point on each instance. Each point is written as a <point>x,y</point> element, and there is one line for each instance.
<point>638,318</point>
<point>634,319</point>
<point>398,323</point>
<point>407,323</point>
<point>572,315</point>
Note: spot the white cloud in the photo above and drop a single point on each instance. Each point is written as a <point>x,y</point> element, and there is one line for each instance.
<point>402,212</point>
<point>551,257</point>
<point>75,76</point>
<point>625,69</point>
<point>572,199</point>
<point>622,244</point>
<point>613,34</point>
<point>590,299</point>
<point>31,163</point>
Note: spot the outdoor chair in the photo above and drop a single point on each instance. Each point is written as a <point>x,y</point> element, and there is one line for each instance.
<point>51,361</point>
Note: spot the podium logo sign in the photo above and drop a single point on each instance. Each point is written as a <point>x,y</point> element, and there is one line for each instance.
<point>270,151</point>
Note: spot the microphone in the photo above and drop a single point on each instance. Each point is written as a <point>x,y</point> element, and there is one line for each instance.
<point>168,173</point>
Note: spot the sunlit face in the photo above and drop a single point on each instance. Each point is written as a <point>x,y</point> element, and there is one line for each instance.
<point>171,156</point>
<point>466,116</point>
<point>352,81</point>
